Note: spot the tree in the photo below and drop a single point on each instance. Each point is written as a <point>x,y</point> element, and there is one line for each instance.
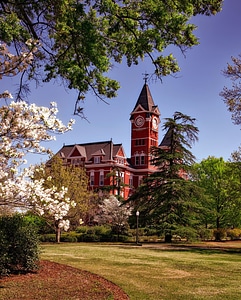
<point>166,197</point>
<point>23,128</point>
<point>112,212</point>
<point>232,96</point>
<point>236,155</point>
<point>220,181</point>
<point>79,41</point>
<point>75,180</point>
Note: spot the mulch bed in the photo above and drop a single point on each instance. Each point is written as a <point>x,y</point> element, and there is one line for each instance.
<point>55,281</point>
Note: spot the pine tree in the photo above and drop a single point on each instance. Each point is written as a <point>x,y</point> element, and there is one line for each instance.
<point>167,198</point>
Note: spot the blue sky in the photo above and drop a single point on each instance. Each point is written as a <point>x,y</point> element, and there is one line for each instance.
<point>194,91</point>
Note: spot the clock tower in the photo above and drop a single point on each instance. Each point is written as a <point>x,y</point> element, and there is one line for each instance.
<point>145,119</point>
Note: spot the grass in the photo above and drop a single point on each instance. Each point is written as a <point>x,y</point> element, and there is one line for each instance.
<point>157,272</point>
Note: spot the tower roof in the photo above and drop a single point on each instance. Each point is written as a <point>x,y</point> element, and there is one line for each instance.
<point>145,99</point>
<point>167,139</point>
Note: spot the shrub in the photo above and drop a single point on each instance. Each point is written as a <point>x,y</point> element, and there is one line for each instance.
<point>39,222</point>
<point>19,245</point>
<point>150,231</point>
<point>205,234</point>
<point>71,237</point>
<point>48,238</point>
<point>94,233</point>
<point>90,238</point>
<point>187,233</point>
<point>234,234</point>
<point>82,229</point>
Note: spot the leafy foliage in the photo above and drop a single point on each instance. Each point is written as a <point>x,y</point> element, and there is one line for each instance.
<point>79,41</point>
<point>76,182</point>
<point>19,251</point>
<point>220,181</point>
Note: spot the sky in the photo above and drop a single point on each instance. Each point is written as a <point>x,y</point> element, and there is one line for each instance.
<point>193,91</point>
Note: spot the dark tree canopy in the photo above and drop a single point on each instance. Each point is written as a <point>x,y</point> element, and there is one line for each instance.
<point>79,41</point>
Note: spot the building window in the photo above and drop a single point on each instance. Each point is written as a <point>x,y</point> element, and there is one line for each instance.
<point>140,142</point>
<point>122,174</point>
<point>96,159</point>
<point>101,178</point>
<point>140,179</point>
<point>142,162</point>
<point>92,178</point>
<point>154,143</point>
<point>75,161</point>
<point>137,160</point>
<point>131,181</point>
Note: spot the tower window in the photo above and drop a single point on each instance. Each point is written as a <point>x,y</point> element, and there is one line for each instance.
<point>140,142</point>
<point>137,160</point>
<point>142,160</point>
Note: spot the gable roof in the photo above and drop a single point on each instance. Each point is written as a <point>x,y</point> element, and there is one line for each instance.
<point>106,149</point>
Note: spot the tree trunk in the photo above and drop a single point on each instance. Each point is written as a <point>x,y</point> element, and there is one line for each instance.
<point>168,238</point>
<point>218,231</point>
<point>57,232</point>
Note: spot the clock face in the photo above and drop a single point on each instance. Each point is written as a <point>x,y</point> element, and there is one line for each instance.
<point>155,123</point>
<point>139,121</point>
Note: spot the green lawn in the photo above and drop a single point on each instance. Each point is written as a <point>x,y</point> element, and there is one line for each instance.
<point>155,273</point>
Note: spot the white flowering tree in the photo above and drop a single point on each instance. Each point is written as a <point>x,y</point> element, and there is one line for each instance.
<point>23,129</point>
<point>112,212</point>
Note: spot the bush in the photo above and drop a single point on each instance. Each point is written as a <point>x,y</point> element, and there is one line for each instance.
<point>94,233</point>
<point>40,223</point>
<point>187,233</point>
<point>205,234</point>
<point>234,234</point>
<point>71,237</point>
<point>19,250</point>
<point>48,238</point>
<point>82,229</point>
<point>87,234</point>
<point>90,238</point>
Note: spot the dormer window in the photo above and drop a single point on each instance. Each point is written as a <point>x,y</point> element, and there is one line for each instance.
<point>97,159</point>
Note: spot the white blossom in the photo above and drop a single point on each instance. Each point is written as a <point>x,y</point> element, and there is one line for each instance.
<point>23,127</point>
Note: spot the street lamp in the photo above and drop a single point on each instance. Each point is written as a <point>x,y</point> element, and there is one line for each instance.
<point>137,221</point>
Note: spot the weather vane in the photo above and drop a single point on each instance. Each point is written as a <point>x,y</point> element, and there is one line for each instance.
<point>145,77</point>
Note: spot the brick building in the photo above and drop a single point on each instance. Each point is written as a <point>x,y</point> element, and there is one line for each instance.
<point>106,163</point>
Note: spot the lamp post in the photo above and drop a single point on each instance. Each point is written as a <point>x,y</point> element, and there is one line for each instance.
<point>137,224</point>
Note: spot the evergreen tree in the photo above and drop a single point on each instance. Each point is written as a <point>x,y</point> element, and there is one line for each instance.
<point>167,198</point>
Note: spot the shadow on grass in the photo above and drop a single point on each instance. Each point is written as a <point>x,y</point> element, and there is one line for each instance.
<point>175,247</point>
